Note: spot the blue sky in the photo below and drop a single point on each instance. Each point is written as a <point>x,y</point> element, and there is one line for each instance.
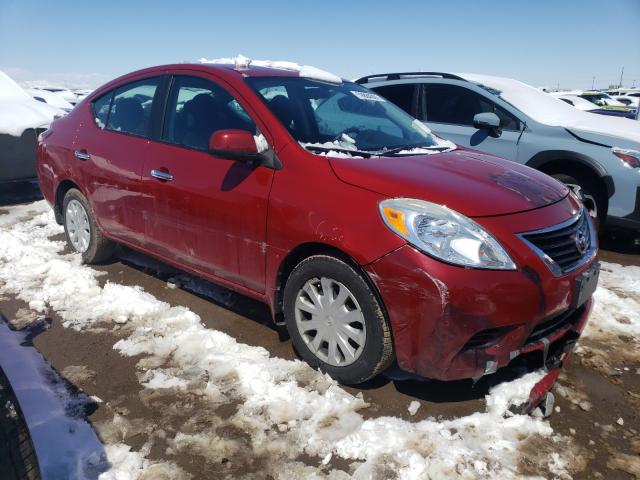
<point>542,42</point>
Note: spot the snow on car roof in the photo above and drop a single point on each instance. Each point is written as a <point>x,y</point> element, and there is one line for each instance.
<point>243,63</point>
<point>545,108</point>
<point>18,111</point>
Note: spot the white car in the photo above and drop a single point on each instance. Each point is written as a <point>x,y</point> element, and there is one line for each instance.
<point>64,93</point>
<point>22,118</point>
<point>576,101</point>
<point>50,98</point>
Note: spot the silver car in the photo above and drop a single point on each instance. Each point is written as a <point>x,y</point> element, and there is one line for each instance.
<point>598,157</point>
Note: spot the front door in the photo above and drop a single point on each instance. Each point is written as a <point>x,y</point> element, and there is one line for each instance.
<point>448,110</point>
<point>207,212</point>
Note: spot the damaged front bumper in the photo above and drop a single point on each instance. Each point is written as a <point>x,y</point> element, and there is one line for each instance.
<point>451,323</point>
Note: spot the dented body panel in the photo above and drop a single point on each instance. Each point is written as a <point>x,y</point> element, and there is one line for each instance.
<point>237,224</point>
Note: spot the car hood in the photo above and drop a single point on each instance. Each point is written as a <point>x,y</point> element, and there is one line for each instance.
<point>470,182</point>
<point>618,127</point>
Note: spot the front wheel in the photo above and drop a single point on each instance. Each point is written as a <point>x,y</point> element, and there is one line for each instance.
<point>335,320</point>
<point>81,229</point>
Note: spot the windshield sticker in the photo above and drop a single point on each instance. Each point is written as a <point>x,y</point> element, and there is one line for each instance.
<point>372,97</point>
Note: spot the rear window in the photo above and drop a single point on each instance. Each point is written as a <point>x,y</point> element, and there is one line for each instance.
<point>101,109</point>
<point>127,109</point>
<point>402,95</point>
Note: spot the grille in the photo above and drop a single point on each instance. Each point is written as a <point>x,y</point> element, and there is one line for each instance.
<point>485,338</point>
<point>546,328</point>
<point>566,244</point>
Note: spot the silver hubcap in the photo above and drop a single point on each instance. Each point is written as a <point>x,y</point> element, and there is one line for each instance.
<point>330,321</point>
<point>77,223</point>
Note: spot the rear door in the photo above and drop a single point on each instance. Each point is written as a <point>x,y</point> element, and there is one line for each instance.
<point>208,213</point>
<point>449,110</point>
<point>111,152</point>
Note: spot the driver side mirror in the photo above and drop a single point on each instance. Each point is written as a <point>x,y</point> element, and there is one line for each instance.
<point>234,144</point>
<point>489,121</point>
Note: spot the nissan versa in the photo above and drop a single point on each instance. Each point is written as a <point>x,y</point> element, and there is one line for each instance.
<point>372,239</point>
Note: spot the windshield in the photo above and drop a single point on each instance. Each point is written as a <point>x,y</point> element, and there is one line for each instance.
<point>343,117</point>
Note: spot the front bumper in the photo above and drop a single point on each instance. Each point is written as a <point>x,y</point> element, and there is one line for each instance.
<point>628,222</point>
<point>452,323</point>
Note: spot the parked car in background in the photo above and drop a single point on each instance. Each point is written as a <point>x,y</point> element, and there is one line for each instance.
<point>585,105</point>
<point>22,118</point>
<point>597,156</point>
<point>81,94</point>
<point>50,98</point>
<point>609,103</point>
<point>365,208</point>
<point>64,93</point>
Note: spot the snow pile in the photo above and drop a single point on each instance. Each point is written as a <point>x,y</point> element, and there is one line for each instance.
<point>305,71</point>
<point>550,110</point>
<point>286,408</point>
<point>617,303</point>
<point>18,111</point>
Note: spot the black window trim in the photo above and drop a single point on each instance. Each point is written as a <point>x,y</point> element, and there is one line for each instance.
<point>423,113</point>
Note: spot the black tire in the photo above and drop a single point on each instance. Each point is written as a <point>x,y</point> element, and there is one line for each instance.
<point>377,353</point>
<point>18,459</point>
<point>100,247</point>
<point>590,193</point>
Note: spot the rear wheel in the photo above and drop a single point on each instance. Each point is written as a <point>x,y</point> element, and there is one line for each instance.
<point>335,320</point>
<point>82,231</point>
<point>589,192</point>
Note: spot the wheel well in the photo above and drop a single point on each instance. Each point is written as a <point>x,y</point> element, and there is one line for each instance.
<point>296,256</point>
<point>62,190</point>
<point>571,167</point>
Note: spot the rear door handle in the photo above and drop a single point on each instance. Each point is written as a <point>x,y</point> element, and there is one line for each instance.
<point>82,155</point>
<point>160,175</point>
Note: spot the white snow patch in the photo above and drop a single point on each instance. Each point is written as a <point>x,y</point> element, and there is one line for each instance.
<point>550,110</point>
<point>306,71</point>
<point>19,111</point>
<point>617,303</point>
<point>413,407</point>
<point>313,414</point>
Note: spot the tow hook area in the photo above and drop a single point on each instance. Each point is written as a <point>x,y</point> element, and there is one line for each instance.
<point>540,396</point>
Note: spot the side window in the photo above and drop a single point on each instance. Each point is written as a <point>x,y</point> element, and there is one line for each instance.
<point>101,109</point>
<point>458,105</point>
<point>131,107</point>
<point>197,108</point>
<point>401,95</point>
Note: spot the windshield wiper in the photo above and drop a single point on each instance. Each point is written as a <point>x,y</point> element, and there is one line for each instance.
<point>394,151</point>
<point>360,153</point>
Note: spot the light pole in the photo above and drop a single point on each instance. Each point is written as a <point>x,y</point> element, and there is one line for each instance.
<point>593,82</point>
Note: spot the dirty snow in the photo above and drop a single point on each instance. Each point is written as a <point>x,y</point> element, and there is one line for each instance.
<point>617,306</point>
<point>286,408</point>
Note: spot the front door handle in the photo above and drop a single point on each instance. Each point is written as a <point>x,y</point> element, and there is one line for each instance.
<point>160,175</point>
<point>82,155</point>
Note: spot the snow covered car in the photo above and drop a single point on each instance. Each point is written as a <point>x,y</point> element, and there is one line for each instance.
<point>597,156</point>
<point>369,238</point>
<point>21,120</point>
<point>585,105</point>
<point>49,98</point>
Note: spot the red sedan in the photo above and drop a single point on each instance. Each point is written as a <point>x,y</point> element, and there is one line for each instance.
<point>372,239</point>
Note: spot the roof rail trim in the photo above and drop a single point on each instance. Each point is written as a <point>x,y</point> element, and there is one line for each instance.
<point>399,75</point>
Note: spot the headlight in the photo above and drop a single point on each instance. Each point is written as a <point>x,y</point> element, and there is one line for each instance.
<point>444,234</point>
<point>631,158</point>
